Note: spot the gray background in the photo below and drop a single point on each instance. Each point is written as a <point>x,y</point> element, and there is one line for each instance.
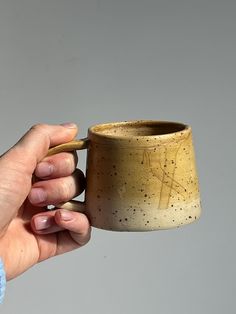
<point>93,61</point>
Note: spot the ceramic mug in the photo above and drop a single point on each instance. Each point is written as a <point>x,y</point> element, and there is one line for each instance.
<point>141,175</point>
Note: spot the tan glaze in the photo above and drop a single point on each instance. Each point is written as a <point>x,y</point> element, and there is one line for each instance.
<point>67,147</point>
<point>141,176</point>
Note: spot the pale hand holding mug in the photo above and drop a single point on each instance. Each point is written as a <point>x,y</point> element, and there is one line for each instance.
<point>141,175</point>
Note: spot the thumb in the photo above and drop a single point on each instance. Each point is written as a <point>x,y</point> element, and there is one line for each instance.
<point>18,164</point>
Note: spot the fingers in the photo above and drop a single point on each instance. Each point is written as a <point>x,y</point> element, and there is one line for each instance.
<point>76,223</point>
<point>34,145</point>
<point>63,220</point>
<point>18,164</point>
<point>55,191</point>
<point>44,223</point>
<point>60,165</point>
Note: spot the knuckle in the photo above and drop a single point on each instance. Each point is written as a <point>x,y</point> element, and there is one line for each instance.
<point>68,163</point>
<point>40,127</point>
<point>41,131</point>
<point>64,164</point>
<point>84,237</point>
<point>84,241</point>
<point>86,231</point>
<point>65,191</point>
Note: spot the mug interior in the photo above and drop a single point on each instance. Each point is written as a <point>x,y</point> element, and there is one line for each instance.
<point>138,128</point>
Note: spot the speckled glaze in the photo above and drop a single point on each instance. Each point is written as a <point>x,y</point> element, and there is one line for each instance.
<point>141,176</point>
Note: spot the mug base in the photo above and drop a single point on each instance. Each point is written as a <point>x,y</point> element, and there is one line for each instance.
<point>150,220</point>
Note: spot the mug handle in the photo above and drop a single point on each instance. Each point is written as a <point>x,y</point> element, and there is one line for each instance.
<point>68,147</point>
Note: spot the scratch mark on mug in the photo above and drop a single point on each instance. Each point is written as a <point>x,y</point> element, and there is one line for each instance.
<point>146,158</point>
<point>173,174</point>
<point>163,182</point>
<point>168,182</point>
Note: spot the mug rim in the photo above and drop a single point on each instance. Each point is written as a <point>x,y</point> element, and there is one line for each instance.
<point>94,129</point>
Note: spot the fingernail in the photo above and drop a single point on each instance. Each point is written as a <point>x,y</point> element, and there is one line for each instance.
<point>69,125</point>
<point>44,169</point>
<point>42,222</point>
<point>37,195</point>
<point>66,215</point>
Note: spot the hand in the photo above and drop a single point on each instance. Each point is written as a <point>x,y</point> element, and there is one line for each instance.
<point>28,233</point>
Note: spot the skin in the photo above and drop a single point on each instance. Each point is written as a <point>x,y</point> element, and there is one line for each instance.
<point>28,233</point>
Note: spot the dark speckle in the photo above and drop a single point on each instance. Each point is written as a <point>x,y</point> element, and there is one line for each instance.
<point>189,217</point>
